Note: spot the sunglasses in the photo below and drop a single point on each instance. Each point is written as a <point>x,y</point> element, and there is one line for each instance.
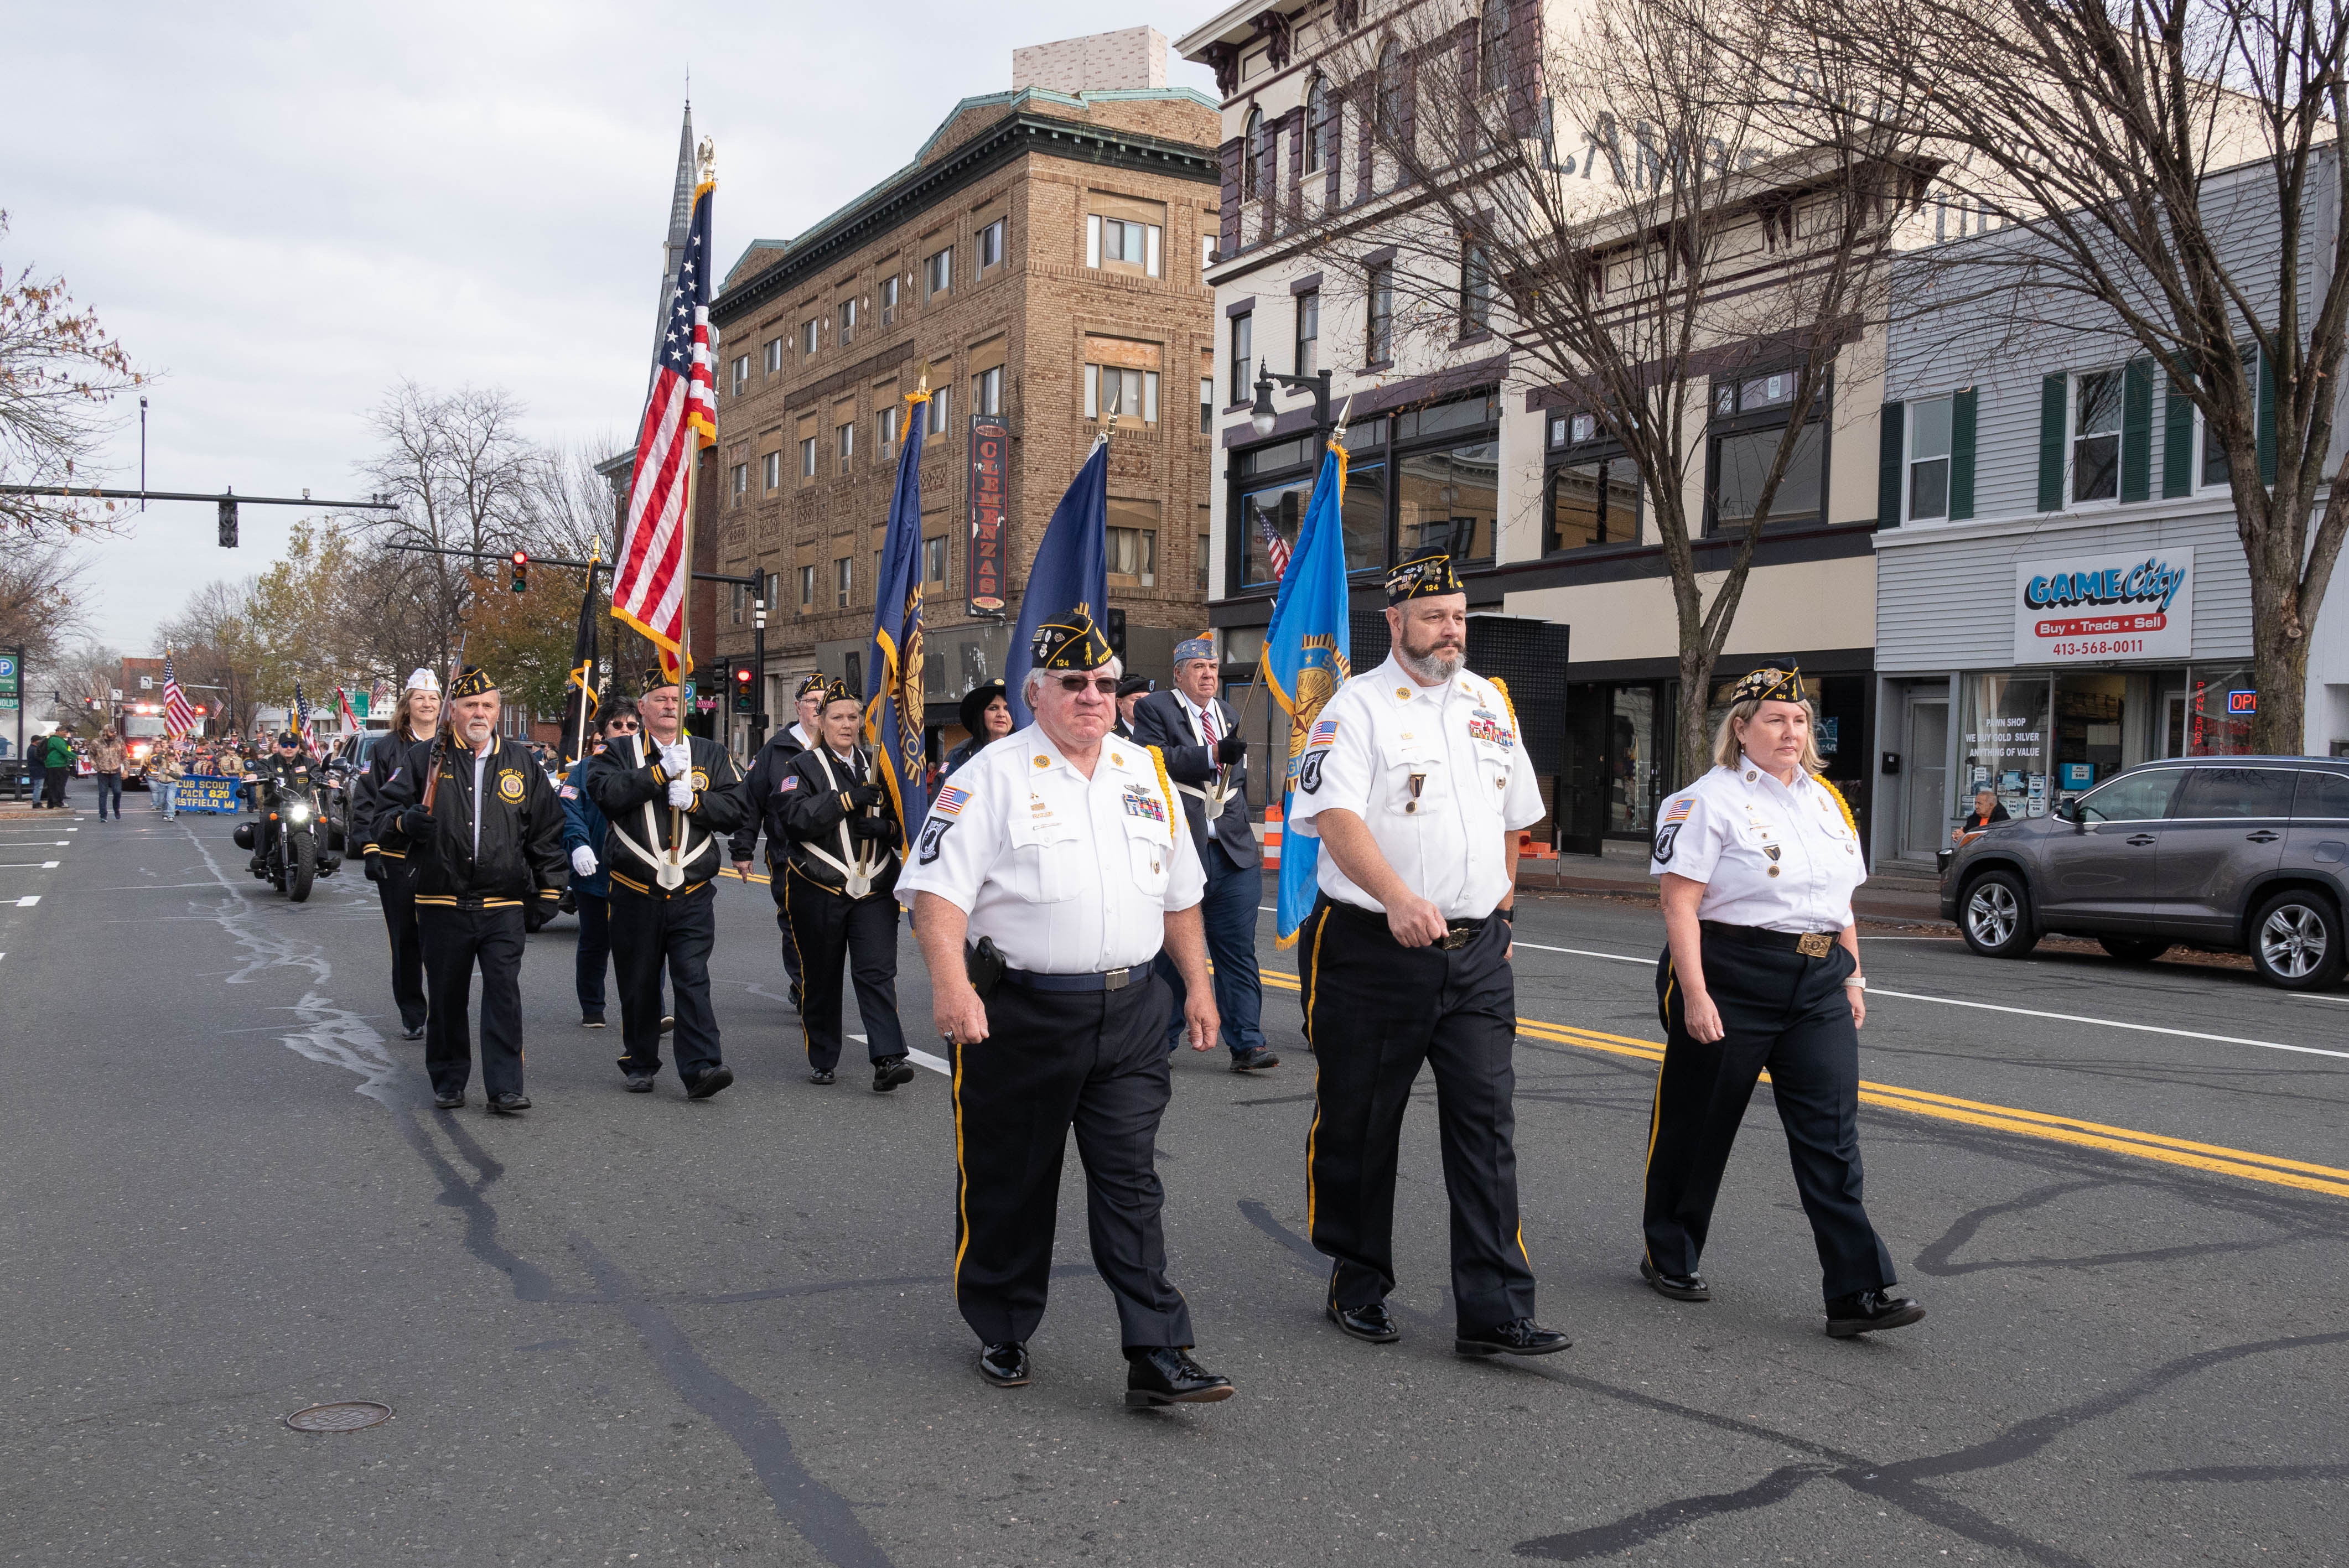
<point>625,726</point>
<point>1105,685</point>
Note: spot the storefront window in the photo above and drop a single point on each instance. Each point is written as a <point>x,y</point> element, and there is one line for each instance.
<point>1282,508</point>
<point>1632,753</point>
<point>1449,496</point>
<point>2004,745</point>
<point>2214,726</point>
<point>1366,517</point>
<point>2088,745</point>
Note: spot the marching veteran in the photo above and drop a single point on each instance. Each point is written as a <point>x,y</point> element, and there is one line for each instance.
<point>414,720</point>
<point>1415,779</point>
<point>1047,878</point>
<point>481,829</point>
<point>759,798</point>
<point>1758,858</point>
<point>662,790</point>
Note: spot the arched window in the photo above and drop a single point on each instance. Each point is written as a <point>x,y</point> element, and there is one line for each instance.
<point>1264,146</point>
<point>1494,48</point>
<point>1250,139</point>
<point>1317,126</point>
<point>1390,89</point>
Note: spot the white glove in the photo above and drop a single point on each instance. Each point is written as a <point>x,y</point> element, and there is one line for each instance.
<point>583,860</point>
<point>680,792</point>
<point>677,760</point>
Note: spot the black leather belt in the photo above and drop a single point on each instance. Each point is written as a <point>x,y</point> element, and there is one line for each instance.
<point>1107,980</point>
<point>1809,944</point>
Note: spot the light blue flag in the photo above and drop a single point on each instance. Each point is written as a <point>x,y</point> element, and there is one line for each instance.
<point>1305,660</point>
<point>893,706</point>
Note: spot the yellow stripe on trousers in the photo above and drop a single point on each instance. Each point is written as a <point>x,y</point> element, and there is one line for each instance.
<point>2272,1169</point>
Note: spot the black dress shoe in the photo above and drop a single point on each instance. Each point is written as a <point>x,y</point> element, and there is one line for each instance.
<point>709,1083</point>
<point>821,1075</point>
<point>1256,1060</point>
<point>1373,1325</point>
<point>889,1072</point>
<point>509,1104</point>
<point>1004,1365</point>
<point>413,1032</point>
<point>448,1101</point>
<point>1680,1287</point>
<point>1870,1310</point>
<point>591,1021</point>
<point>1165,1375</point>
<point>640,1083</point>
<point>1521,1338</point>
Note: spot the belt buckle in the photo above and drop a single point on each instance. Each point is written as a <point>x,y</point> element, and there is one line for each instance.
<point>1813,943</point>
<point>1454,938</point>
<point>1117,979</point>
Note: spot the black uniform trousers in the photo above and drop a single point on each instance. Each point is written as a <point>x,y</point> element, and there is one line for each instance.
<point>398,892</point>
<point>1787,1013</point>
<point>1095,1060</point>
<point>456,938</point>
<point>648,930</point>
<point>778,885</point>
<point>1376,1011</point>
<point>828,930</point>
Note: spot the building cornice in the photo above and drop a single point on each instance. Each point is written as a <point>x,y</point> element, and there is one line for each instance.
<point>1013,138</point>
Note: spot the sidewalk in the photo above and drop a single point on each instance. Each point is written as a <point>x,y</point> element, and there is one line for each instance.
<point>1894,891</point>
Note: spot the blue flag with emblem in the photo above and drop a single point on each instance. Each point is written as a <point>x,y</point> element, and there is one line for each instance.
<point>1070,568</point>
<point>1305,660</point>
<point>892,706</point>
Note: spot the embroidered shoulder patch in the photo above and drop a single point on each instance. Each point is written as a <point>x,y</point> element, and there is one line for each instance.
<point>1679,810</point>
<point>792,782</point>
<point>570,792</point>
<point>1324,733</point>
<point>950,801</point>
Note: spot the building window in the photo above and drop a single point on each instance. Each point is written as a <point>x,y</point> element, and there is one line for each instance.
<point>847,319</point>
<point>1317,126</point>
<point>734,597</point>
<point>775,356</point>
<point>1594,495</point>
<point>888,292</point>
<point>1391,91</point>
<point>934,559</point>
<point>807,336</point>
<point>841,580</point>
<point>1133,557</point>
<point>1494,53</point>
<point>1928,459</point>
<point>1264,155</point>
<point>1116,243</point>
<point>774,595</point>
<point>738,481</point>
<point>1750,417</point>
<point>940,405</point>
<point>987,391</point>
<point>1309,333</point>
<point>937,272</point>
<point>844,438</point>
<point>1243,350</point>
<point>885,432</point>
<point>1127,394</point>
<point>1207,554</point>
<point>2096,435</point>
<point>772,470</point>
<point>990,241</point>
<point>1206,405</point>
<point>1206,252</point>
<point>1476,289</point>
<point>1251,135</point>
<point>741,373</point>
<point>807,588</point>
<point>1448,500</point>
<point>807,457</point>
<point>1380,313</point>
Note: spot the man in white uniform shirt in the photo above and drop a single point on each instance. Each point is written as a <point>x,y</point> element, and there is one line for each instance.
<point>1047,877</point>
<point>1415,779</point>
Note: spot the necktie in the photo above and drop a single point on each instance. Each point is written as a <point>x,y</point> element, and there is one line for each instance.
<point>1207,723</point>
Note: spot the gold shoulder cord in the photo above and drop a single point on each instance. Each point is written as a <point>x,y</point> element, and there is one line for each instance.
<point>1166,791</point>
<point>1841,804</point>
<point>1503,688</point>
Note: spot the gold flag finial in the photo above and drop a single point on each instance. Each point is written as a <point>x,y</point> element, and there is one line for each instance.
<point>706,160</point>
<point>922,380</point>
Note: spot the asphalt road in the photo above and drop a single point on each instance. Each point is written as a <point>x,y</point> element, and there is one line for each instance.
<point>635,1329</point>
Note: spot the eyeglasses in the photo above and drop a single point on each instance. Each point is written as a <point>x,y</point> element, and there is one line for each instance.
<point>1074,684</point>
<point>625,726</point>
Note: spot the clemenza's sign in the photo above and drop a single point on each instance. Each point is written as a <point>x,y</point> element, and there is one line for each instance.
<point>2095,610</point>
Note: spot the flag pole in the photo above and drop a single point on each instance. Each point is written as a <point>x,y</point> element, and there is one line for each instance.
<point>587,614</point>
<point>672,874</point>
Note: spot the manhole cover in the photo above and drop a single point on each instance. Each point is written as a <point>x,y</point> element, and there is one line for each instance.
<point>347,1416</point>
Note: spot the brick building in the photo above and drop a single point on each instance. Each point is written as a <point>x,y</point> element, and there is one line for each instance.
<point>1043,255</point>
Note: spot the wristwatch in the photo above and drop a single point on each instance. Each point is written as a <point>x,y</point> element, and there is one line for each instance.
<point>1858,982</point>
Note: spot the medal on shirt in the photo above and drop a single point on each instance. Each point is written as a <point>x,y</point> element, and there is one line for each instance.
<point>1418,782</point>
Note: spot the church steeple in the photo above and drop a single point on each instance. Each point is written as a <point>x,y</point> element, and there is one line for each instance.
<point>680,225</point>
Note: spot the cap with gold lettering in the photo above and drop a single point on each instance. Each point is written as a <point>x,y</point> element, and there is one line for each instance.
<point>1071,641</point>
<point>1423,577</point>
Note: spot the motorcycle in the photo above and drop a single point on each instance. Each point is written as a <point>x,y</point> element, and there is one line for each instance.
<point>296,852</point>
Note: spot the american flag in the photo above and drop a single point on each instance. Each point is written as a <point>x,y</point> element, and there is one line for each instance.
<point>301,709</point>
<point>649,582</point>
<point>179,719</point>
<point>1276,549</point>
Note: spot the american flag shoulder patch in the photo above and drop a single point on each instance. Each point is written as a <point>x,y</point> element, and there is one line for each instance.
<point>1679,810</point>
<point>950,801</point>
<point>570,792</point>
<point>1324,733</point>
<point>791,783</point>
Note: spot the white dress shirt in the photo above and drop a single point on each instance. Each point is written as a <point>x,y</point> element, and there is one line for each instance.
<point>1769,856</point>
<point>1438,774</point>
<point>1069,875</point>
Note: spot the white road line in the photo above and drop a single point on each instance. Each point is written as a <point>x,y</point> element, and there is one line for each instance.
<point>28,900</point>
<point>1874,991</point>
<point>1586,953</point>
<point>28,865</point>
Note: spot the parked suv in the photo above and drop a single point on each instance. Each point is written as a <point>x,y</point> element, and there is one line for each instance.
<point>2245,854</point>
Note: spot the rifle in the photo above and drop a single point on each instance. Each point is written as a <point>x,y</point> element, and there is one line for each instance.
<point>448,726</point>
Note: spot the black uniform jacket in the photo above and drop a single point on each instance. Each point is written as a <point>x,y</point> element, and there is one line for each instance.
<point>766,778</point>
<point>625,777</point>
<point>384,754</point>
<point>520,855</point>
<point>1160,720</point>
<point>274,773</point>
<point>807,811</point>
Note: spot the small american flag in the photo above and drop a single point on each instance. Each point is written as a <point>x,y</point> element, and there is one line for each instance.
<point>1276,549</point>
<point>1324,733</point>
<point>179,719</point>
<point>950,801</point>
<point>301,709</point>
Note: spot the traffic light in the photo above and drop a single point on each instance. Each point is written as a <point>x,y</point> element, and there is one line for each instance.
<point>742,679</point>
<point>520,570</point>
<point>228,525</point>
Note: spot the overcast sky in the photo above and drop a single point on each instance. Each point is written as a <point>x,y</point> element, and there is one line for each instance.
<point>286,211</point>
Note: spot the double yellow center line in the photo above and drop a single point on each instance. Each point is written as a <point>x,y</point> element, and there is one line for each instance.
<point>2268,1168</point>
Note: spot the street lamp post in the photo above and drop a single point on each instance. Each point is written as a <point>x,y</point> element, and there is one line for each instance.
<point>1262,416</point>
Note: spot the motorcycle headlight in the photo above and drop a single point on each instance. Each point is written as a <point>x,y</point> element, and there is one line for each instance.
<point>300,813</point>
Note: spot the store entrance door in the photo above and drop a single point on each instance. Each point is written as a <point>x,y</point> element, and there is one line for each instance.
<point>1925,779</point>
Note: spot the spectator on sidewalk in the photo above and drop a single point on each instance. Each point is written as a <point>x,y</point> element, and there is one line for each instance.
<point>36,769</point>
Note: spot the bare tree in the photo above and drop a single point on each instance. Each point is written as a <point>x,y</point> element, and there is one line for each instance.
<point>59,368</point>
<point>2096,129</point>
<point>213,651</point>
<point>40,598</point>
<point>1641,229</point>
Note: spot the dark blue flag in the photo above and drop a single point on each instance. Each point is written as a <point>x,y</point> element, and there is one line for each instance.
<point>893,703</point>
<point>1070,568</point>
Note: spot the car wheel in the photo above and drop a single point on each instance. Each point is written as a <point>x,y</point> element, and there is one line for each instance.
<point>2296,942</point>
<point>1995,916</point>
<point>2134,949</point>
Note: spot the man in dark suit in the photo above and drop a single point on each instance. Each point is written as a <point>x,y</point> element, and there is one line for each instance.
<point>1192,727</point>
